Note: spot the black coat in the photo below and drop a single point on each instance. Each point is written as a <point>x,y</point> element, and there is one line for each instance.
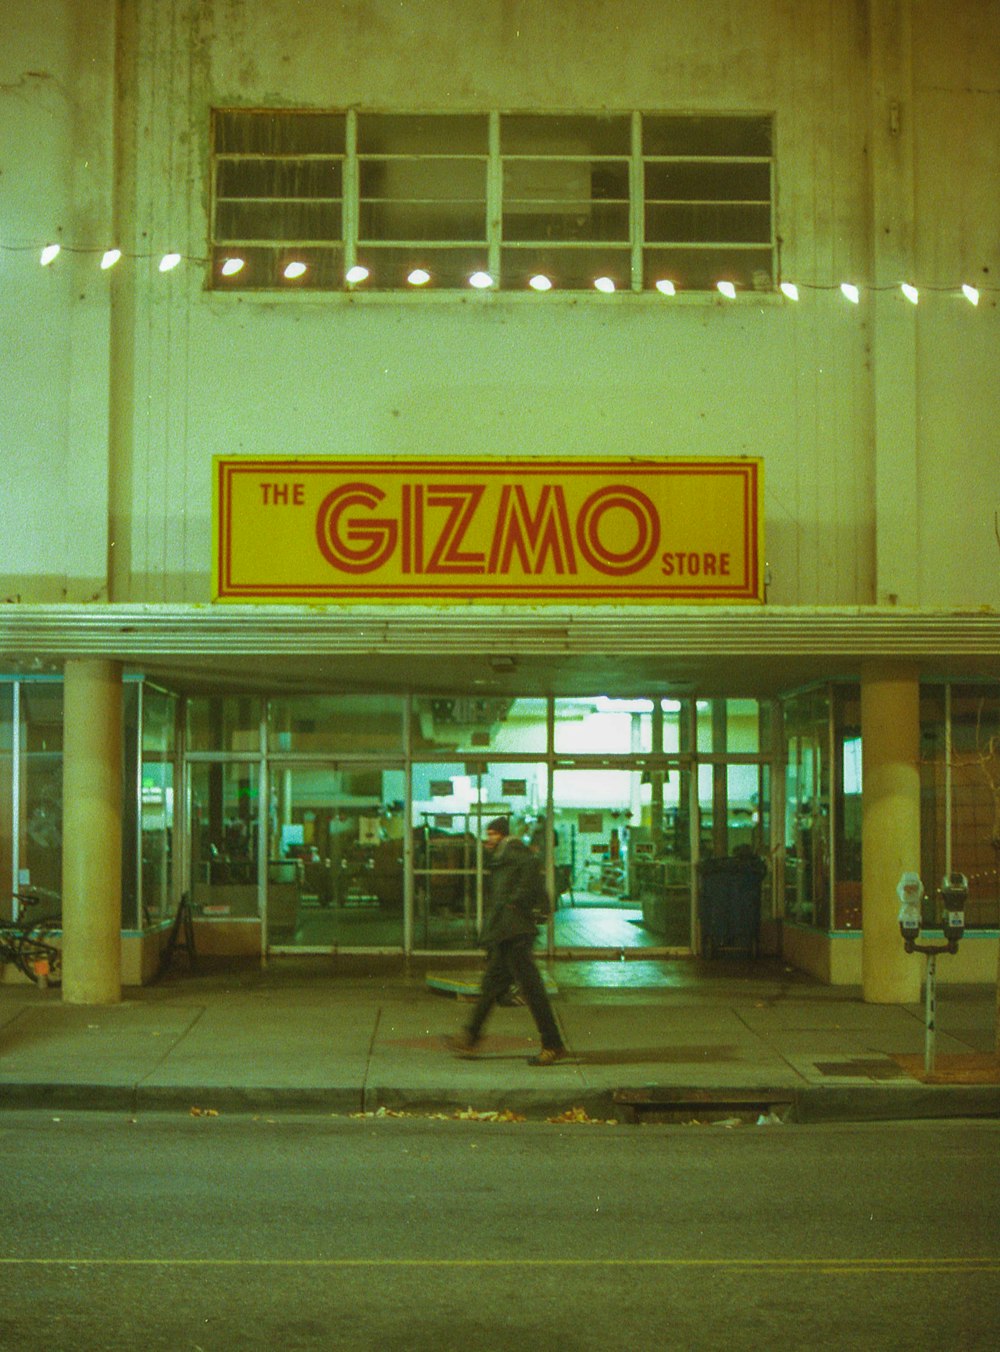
<point>516,890</point>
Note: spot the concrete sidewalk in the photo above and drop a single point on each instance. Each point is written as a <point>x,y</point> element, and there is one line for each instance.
<point>651,1040</point>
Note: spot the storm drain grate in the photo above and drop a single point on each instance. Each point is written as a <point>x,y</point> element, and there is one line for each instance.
<point>702,1107</point>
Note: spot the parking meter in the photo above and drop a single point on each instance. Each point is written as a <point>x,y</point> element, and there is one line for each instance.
<point>910,891</point>
<point>954,891</point>
<point>954,894</point>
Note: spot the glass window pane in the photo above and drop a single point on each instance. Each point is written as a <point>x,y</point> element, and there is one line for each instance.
<point>569,269</point>
<point>975,808</point>
<point>545,134</point>
<point>433,199</point>
<point>130,816</point>
<point>684,135</point>
<point>224,803</point>
<point>279,132</point>
<point>807,809</point>
<point>263,269</point>
<point>157,793</point>
<point>390,268</point>
<point>360,724</point>
<point>708,223</point>
<point>726,181</point>
<point>7,880</point>
<point>430,134</point>
<point>847,815</point>
<point>694,269</point>
<point>729,726</point>
<point>285,222</point>
<point>40,827</point>
<point>477,723</point>
<point>335,857</point>
<point>224,723</point>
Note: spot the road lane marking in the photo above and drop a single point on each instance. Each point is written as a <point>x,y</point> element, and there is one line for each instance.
<point>822,1265</point>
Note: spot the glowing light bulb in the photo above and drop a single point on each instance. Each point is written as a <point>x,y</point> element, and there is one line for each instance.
<point>727,289</point>
<point>604,284</point>
<point>481,280</point>
<point>110,259</point>
<point>971,294</point>
<point>358,273</point>
<point>910,292</point>
<point>851,292</point>
<point>540,282</point>
<point>790,290</point>
<point>295,269</point>
<point>169,261</point>
<point>49,254</point>
<point>232,266</point>
<point>666,288</point>
<point>419,277</point>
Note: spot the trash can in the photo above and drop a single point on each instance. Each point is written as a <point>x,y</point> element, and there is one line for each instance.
<point>729,891</point>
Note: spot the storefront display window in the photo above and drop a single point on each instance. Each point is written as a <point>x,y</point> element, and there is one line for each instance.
<point>600,725</point>
<point>223,817</point>
<point>733,726</point>
<point>975,799</point>
<point>39,787</point>
<point>7,879</point>
<point>222,724</point>
<point>342,724</point>
<point>156,803</point>
<point>807,808</point>
<point>478,724</point>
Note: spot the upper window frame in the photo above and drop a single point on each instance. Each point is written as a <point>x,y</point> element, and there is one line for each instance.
<point>591,217</point>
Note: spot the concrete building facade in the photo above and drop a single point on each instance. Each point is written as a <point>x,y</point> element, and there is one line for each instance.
<point>276,757</point>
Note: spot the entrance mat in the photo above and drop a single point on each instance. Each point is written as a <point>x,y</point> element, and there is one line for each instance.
<point>465,985</point>
<point>954,1068</point>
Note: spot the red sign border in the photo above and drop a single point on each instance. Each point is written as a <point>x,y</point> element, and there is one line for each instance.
<point>747,589</point>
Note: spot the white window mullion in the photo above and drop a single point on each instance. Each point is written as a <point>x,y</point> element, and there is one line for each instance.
<point>352,188</point>
<point>494,199</point>
<point>637,197</point>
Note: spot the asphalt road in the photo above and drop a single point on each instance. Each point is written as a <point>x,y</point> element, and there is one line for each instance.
<point>283,1233</point>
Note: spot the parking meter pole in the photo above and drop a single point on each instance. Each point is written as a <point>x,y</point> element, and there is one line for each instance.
<point>930,1013</point>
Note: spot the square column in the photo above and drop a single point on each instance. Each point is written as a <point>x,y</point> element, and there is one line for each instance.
<point>92,833</point>
<point>890,826</point>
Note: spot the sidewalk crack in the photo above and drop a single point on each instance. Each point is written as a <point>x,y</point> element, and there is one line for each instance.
<point>368,1059</point>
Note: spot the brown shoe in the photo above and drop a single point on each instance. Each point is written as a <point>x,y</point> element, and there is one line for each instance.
<point>462,1044</point>
<point>548,1056</point>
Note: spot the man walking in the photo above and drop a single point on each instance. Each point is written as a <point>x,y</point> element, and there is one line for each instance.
<point>508,933</point>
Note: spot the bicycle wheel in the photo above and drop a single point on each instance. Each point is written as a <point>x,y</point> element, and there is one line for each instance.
<point>41,962</point>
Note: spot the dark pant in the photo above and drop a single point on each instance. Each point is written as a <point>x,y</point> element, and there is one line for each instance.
<point>509,963</point>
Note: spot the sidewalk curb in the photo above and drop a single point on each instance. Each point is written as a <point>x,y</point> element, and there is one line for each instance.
<point>807,1105</point>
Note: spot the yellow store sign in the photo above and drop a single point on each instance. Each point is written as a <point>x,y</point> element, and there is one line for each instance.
<point>527,531</point>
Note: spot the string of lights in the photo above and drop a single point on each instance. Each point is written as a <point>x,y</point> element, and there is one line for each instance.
<point>357,275</point>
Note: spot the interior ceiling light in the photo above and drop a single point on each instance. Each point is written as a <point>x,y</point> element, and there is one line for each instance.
<point>419,277</point>
<point>790,290</point>
<point>295,269</point>
<point>50,252</point>
<point>481,280</point>
<point>727,289</point>
<point>605,284</point>
<point>666,288</point>
<point>910,292</point>
<point>169,261</point>
<point>359,273</point>
<point>971,294</point>
<point>540,282</point>
<point>232,266</point>
<point>110,259</point>
<point>851,292</point>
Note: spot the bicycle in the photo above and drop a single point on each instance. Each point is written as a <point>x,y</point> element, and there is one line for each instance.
<point>27,941</point>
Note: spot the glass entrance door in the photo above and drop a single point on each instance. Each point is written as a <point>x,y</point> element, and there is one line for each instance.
<point>622,859</point>
<point>335,858</point>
